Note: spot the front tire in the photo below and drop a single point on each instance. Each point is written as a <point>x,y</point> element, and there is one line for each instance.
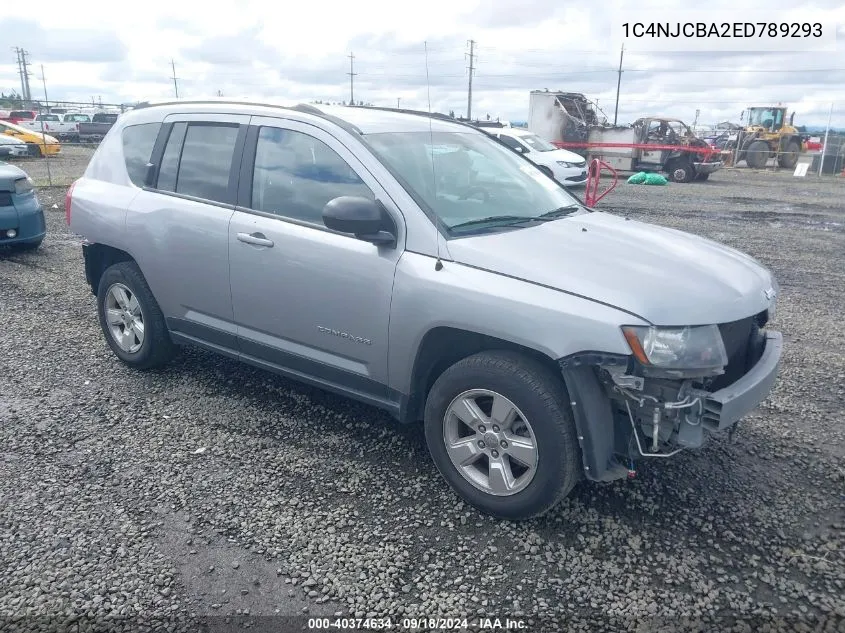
<point>131,319</point>
<point>680,170</point>
<point>789,158</point>
<point>500,430</point>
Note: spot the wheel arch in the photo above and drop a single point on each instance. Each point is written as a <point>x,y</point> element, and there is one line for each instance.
<point>443,346</point>
<point>98,257</point>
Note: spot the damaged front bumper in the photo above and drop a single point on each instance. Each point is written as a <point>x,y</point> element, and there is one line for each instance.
<point>727,406</point>
<point>621,417</point>
<point>707,168</point>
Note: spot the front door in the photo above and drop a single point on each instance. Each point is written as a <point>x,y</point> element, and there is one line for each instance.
<point>307,299</point>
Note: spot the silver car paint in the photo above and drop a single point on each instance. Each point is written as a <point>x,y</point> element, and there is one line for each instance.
<point>394,297</point>
<point>290,296</point>
<point>666,276</point>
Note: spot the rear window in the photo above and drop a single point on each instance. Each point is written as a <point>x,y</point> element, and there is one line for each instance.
<point>138,141</point>
<point>47,117</point>
<point>101,117</point>
<point>21,114</point>
<point>201,169</point>
<point>78,118</point>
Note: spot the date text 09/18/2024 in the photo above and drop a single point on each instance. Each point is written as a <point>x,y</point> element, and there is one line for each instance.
<point>416,624</point>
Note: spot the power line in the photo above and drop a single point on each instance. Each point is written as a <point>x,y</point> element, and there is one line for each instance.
<point>351,74</point>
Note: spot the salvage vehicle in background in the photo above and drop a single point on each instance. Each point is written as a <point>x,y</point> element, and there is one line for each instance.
<point>11,147</point>
<point>651,144</point>
<point>65,127</point>
<point>39,144</point>
<point>568,168</point>
<point>97,128</point>
<point>540,342</point>
<point>22,224</point>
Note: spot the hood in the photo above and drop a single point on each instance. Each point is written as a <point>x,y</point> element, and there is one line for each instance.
<point>10,140</point>
<point>8,175</point>
<point>665,276</point>
<point>565,154</point>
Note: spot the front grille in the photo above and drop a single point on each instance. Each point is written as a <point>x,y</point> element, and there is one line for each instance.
<point>578,178</point>
<point>743,341</point>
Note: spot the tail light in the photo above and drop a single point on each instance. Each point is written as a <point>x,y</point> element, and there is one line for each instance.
<point>68,199</point>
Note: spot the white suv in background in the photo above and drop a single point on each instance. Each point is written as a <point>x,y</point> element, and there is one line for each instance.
<point>568,168</point>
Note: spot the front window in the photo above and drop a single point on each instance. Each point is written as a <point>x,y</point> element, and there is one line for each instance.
<point>537,144</point>
<point>472,183</point>
<point>771,118</point>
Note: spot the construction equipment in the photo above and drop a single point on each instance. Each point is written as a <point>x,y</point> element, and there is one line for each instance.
<point>768,134</point>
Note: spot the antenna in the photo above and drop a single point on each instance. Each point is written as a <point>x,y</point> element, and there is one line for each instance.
<point>439,264</point>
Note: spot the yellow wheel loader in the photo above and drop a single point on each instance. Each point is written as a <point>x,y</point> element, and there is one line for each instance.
<point>768,134</point>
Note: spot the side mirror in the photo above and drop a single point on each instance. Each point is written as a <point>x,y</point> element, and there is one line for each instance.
<point>362,217</point>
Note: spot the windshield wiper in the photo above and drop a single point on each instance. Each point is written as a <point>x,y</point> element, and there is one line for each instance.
<point>558,213</point>
<point>497,220</point>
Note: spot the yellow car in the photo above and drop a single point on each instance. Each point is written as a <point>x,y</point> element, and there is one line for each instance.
<point>48,146</point>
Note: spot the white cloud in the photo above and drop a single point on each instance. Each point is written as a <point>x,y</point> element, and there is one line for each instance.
<point>298,52</point>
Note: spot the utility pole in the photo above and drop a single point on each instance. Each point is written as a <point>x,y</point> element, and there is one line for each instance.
<point>175,85</point>
<point>471,70</point>
<point>618,85</point>
<point>351,74</point>
<point>397,102</point>
<point>44,142</point>
<point>23,71</point>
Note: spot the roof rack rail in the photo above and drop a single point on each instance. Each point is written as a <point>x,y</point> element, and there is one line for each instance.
<point>423,113</point>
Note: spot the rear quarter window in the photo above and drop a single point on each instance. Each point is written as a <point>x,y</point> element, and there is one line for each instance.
<point>138,141</point>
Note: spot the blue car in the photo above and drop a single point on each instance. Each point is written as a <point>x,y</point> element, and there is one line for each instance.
<point>22,224</point>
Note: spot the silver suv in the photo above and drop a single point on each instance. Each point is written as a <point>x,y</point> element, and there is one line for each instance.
<point>419,265</point>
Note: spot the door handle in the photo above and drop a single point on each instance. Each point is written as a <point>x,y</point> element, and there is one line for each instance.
<point>257,239</point>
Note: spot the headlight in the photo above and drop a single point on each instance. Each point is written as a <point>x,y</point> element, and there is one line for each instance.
<point>563,163</point>
<point>697,347</point>
<point>24,185</point>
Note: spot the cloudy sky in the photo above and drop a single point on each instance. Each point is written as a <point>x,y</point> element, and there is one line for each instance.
<point>298,51</point>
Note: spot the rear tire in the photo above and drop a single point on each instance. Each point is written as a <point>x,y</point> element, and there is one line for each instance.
<point>519,456</point>
<point>757,155</point>
<point>131,319</point>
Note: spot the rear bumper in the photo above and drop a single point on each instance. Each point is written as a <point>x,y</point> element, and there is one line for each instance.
<point>725,407</point>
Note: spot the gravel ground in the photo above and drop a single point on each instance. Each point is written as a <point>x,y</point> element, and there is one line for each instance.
<point>209,495</point>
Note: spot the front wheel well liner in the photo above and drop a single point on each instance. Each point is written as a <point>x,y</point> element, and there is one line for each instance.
<point>442,347</point>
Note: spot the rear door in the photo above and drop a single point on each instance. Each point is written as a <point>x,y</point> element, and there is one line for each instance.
<point>179,226</point>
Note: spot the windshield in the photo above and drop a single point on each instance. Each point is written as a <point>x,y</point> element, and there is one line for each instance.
<point>766,117</point>
<point>536,143</point>
<point>471,182</point>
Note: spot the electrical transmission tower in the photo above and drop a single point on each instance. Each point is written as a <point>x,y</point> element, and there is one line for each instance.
<point>471,70</point>
<point>351,74</point>
<point>24,73</point>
